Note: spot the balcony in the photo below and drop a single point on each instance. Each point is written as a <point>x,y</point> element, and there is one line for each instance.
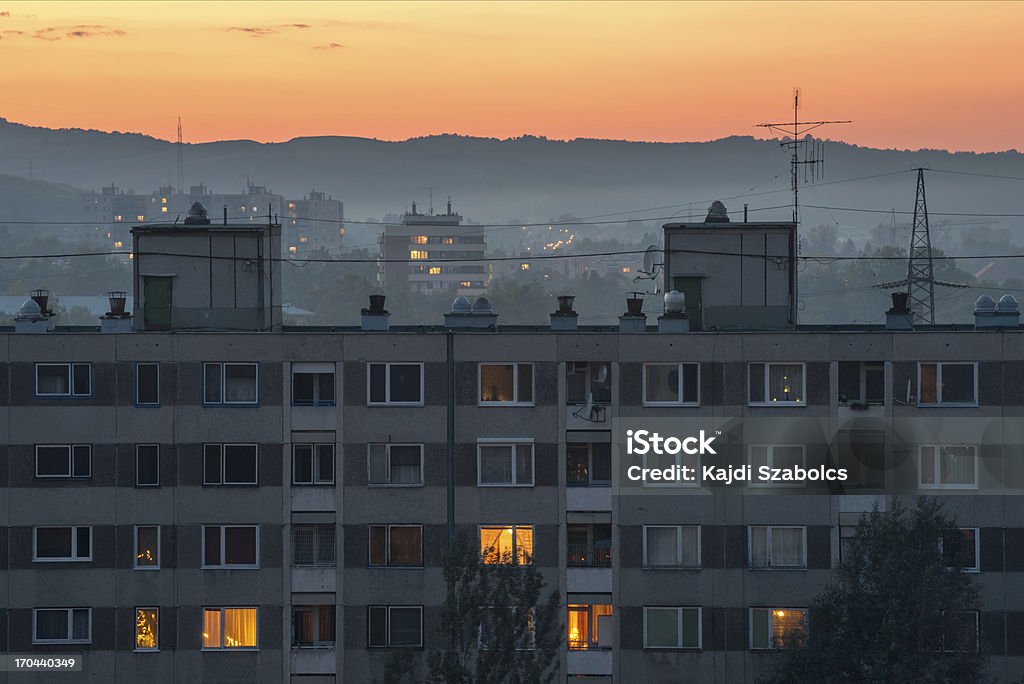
<point>589,558</point>
<point>588,395</point>
<point>588,476</point>
<point>596,555</point>
<point>309,660</point>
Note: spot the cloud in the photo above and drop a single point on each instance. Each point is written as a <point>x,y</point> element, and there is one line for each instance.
<point>5,14</point>
<point>254,31</point>
<point>52,33</point>
<point>329,46</point>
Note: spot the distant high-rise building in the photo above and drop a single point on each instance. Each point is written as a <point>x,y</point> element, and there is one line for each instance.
<point>314,223</point>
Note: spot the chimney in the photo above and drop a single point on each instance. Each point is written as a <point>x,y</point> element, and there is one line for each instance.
<point>674,320</point>
<point>376,318</point>
<point>479,315</point>
<point>42,298</point>
<point>634,320</point>
<point>117,320</point>
<point>899,317</point>
<point>32,316</point>
<point>565,318</point>
<point>989,315</point>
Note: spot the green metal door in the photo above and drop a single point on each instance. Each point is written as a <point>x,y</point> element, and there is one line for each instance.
<point>690,287</point>
<point>156,300</point>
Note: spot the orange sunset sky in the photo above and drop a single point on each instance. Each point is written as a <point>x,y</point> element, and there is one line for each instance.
<point>910,75</point>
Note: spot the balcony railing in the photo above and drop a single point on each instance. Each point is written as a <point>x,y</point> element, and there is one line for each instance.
<point>596,555</point>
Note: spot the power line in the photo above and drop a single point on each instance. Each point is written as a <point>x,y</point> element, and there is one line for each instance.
<point>980,175</point>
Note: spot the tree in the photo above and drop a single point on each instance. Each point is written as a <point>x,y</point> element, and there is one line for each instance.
<point>900,608</point>
<point>496,626</point>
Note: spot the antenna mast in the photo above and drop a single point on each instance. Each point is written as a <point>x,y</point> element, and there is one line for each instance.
<point>920,269</point>
<point>181,162</point>
<point>794,136</point>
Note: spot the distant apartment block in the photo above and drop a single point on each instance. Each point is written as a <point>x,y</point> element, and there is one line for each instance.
<point>315,223</point>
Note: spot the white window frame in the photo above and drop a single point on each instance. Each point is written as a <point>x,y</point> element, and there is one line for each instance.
<point>387,383</point>
<point>71,393</point>
<point>222,647</point>
<point>223,546</point>
<point>977,548</point>
<point>71,624</point>
<point>387,547</point>
<point>71,462</point>
<point>503,442</point>
<point>679,384</point>
<point>679,459</point>
<point>765,386</point>
<point>516,561</point>
<point>316,480</point>
<point>135,640</point>
<point>223,372</point>
<point>937,463</point>
<point>149,363</point>
<point>679,627</point>
<point>756,483</point>
<point>768,547</point>
<point>135,547</point>
<point>75,556</point>
<point>771,632</point>
<point>387,449</point>
<point>137,483</point>
<point>316,643</point>
<point>222,482</point>
<point>515,383</point>
<point>316,369</point>
<point>387,627</point>
<point>678,565</point>
<point>938,384</point>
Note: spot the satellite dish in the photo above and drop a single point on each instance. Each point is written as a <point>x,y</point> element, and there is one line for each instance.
<point>601,374</point>
<point>653,263</point>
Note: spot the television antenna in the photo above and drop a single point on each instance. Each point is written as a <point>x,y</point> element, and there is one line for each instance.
<point>807,153</point>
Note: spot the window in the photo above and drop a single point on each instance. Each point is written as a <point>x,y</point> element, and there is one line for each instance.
<point>947,384</point>
<point>667,460</point>
<point>589,626</point>
<point>784,456</point>
<point>147,629</point>
<point>506,383</point>
<point>672,546</point>
<point>231,384</point>
<point>62,544</point>
<point>508,544</point>
<point>229,628</point>
<point>313,626</point>
<point>777,384</point>
<point>64,460</point>
<point>61,625</point>
<point>671,384</point>
<point>670,627</point>
<point>396,545</point>
<point>588,465</point>
<point>418,239</point>
<point>960,631</point>
<point>862,454</point>
<point>230,546</point>
<point>395,384</point>
<point>861,383</point>
<point>394,626</point>
<point>504,465</point>
<point>63,379</point>
<point>313,545</point>
<point>948,467</point>
<point>147,547</point>
<point>588,382</point>
<point>847,534</point>
<point>778,547</point>
<point>147,384</point>
<point>147,465</point>
<point>774,628</point>
<point>395,465</point>
<point>230,464</point>
<point>419,254</point>
<point>960,548</point>
<point>589,545</point>
<point>313,464</point>
<point>313,384</point>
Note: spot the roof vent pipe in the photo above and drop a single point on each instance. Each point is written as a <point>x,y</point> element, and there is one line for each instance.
<point>899,317</point>
<point>565,318</point>
<point>376,318</point>
<point>634,320</point>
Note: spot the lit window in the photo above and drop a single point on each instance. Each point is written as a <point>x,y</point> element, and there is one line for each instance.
<point>447,241</point>
<point>313,464</point>
<point>948,467</point>
<point>147,547</point>
<point>63,460</point>
<point>671,384</point>
<point>773,384</point>
<point>291,205</point>
<point>589,626</point>
<point>147,384</point>
<point>504,464</point>
<point>511,544</point>
<point>163,200</point>
<point>672,546</point>
<point>778,547</point>
<point>777,628</point>
<point>960,548</point>
<point>292,249</point>
<point>672,627</point>
<point>63,379</point>
<point>435,270</point>
<point>783,456</point>
<point>588,464</point>
<point>524,267</point>
<point>229,628</point>
<point>947,384</point>
<point>61,625</point>
<point>419,254</point>
<point>140,217</point>
<point>230,383</point>
<point>506,383</point>
<point>312,384</point>
<point>466,283</point>
<point>625,269</point>
<point>52,544</point>
<point>313,626</point>
<point>394,626</point>
<point>147,465</point>
<point>396,545</point>
<point>230,546</point>
<point>118,217</point>
<point>230,464</point>
<point>394,383</point>
<point>418,239</point>
<point>147,629</point>
<point>163,210</point>
<point>395,465</point>
<point>118,244</point>
<point>313,544</point>
<point>303,240</point>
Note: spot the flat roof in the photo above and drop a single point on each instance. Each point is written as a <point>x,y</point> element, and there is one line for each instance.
<point>200,227</point>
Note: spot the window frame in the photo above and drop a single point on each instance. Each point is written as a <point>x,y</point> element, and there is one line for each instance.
<point>71,462</point>
<point>977,632</point>
<point>766,383</point>
<point>590,482</point>
<point>316,370</point>
<point>387,454</point>
<point>387,626</point>
<point>223,464</point>
<point>770,462</point>
<point>203,565</point>
<point>387,546</point>
<point>862,384</point>
<point>939,403</point>
<point>515,383</point>
<point>315,608</point>
<point>223,376</point>
<point>315,480</point>
<point>71,626</point>
<point>135,548</point>
<point>140,649</point>
<point>138,384</point>
<point>771,634</point>
<point>222,647</point>
<point>317,546</point>
<point>71,393</point>
<point>387,383</point>
<point>679,610</point>
<point>137,469</point>
<point>679,382</point>
<point>75,557</point>
<point>515,443</point>
<point>516,561</point>
<point>768,547</point>
<point>678,565</point>
<point>976,568</point>
<point>937,466</point>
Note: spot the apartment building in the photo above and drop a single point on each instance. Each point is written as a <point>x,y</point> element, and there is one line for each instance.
<point>247,504</point>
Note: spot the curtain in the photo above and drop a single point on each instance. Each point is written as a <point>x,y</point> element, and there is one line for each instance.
<point>691,546</point>
<point>497,383</point>
<point>496,464</point>
<point>53,380</point>
<point>957,465</point>
<point>785,382</point>
<point>662,628</point>
<point>758,547</point>
<point>211,628</point>
<point>239,628</point>
<point>240,384</point>
<point>787,546</point>
<point>524,464</point>
<point>661,546</point>
<point>51,624</point>
<point>405,465</point>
